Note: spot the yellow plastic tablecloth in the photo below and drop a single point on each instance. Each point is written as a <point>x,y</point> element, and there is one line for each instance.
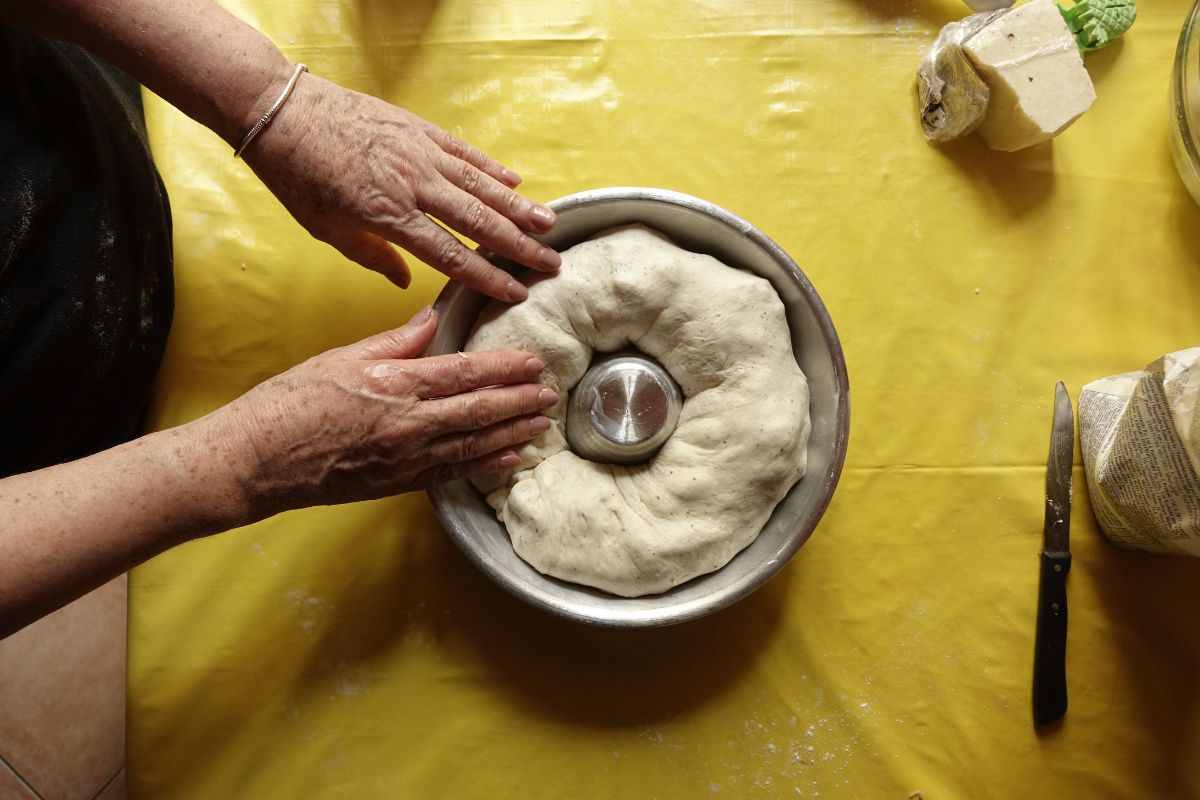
<point>354,652</point>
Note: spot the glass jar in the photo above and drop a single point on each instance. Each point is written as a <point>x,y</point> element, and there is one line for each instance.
<point>1185,103</point>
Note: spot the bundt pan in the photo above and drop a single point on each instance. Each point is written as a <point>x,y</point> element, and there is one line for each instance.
<point>703,227</point>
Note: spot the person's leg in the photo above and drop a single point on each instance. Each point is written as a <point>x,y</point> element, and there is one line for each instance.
<point>85,256</point>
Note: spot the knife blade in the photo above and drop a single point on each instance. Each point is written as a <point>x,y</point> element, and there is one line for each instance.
<point>1050,643</point>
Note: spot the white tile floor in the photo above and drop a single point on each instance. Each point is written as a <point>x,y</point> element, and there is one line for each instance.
<point>62,702</point>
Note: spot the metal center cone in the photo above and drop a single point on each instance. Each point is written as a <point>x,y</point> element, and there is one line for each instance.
<point>623,410</point>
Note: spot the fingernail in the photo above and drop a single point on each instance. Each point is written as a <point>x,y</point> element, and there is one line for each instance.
<point>547,397</point>
<point>543,216</point>
<point>422,316</point>
<point>549,258</point>
<point>511,178</point>
<point>535,365</point>
<point>516,292</point>
<point>509,460</point>
<point>539,425</point>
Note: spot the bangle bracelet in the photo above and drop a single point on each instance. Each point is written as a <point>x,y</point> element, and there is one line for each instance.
<point>266,118</point>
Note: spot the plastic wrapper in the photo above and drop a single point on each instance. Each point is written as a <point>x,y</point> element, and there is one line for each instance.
<point>1140,437</point>
<point>951,97</point>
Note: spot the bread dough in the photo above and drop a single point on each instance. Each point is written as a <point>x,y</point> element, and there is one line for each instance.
<point>741,440</point>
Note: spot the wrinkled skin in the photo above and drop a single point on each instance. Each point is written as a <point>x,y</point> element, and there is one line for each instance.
<point>372,419</point>
<point>358,173</point>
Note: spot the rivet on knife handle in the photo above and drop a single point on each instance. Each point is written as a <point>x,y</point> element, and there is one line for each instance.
<point>1050,646</point>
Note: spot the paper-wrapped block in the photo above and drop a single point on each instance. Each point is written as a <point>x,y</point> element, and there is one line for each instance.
<point>1140,437</point>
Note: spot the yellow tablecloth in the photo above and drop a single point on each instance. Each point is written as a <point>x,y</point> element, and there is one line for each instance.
<point>353,652</point>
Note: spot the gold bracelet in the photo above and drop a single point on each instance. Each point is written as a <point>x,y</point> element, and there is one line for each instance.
<point>266,118</point>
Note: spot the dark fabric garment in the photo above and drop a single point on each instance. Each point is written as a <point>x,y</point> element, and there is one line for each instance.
<point>86,294</point>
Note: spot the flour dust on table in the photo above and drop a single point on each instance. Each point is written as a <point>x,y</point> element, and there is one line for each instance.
<point>742,434</point>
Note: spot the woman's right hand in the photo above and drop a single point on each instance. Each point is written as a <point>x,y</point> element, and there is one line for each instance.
<point>362,174</point>
<point>373,419</point>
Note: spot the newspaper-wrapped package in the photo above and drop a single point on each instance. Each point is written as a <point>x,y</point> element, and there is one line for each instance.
<point>1140,437</point>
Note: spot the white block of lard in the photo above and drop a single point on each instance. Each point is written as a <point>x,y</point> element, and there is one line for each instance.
<point>1038,83</point>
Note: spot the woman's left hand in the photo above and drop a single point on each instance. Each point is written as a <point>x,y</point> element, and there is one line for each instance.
<point>361,174</point>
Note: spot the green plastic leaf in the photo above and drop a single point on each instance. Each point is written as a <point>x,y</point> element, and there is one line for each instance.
<point>1096,23</point>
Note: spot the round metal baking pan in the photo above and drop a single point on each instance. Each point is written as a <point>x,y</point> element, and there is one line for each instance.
<point>700,226</point>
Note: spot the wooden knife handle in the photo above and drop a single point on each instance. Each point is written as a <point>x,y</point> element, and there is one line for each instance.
<point>1050,646</point>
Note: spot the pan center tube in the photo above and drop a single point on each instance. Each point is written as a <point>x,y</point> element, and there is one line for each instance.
<point>623,410</point>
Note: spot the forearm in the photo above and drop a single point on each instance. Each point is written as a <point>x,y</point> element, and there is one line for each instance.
<point>203,60</point>
<point>69,528</point>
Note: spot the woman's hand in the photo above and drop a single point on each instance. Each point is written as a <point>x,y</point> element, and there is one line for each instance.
<point>358,173</point>
<point>372,419</point>
<point>362,421</point>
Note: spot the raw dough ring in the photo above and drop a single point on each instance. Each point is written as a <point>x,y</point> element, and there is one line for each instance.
<point>741,440</point>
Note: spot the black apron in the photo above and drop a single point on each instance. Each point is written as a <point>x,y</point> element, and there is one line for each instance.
<point>86,294</point>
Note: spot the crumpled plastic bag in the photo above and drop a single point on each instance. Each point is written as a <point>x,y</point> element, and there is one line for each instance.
<point>952,99</point>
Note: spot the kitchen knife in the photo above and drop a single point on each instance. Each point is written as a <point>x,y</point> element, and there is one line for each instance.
<point>1050,646</point>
